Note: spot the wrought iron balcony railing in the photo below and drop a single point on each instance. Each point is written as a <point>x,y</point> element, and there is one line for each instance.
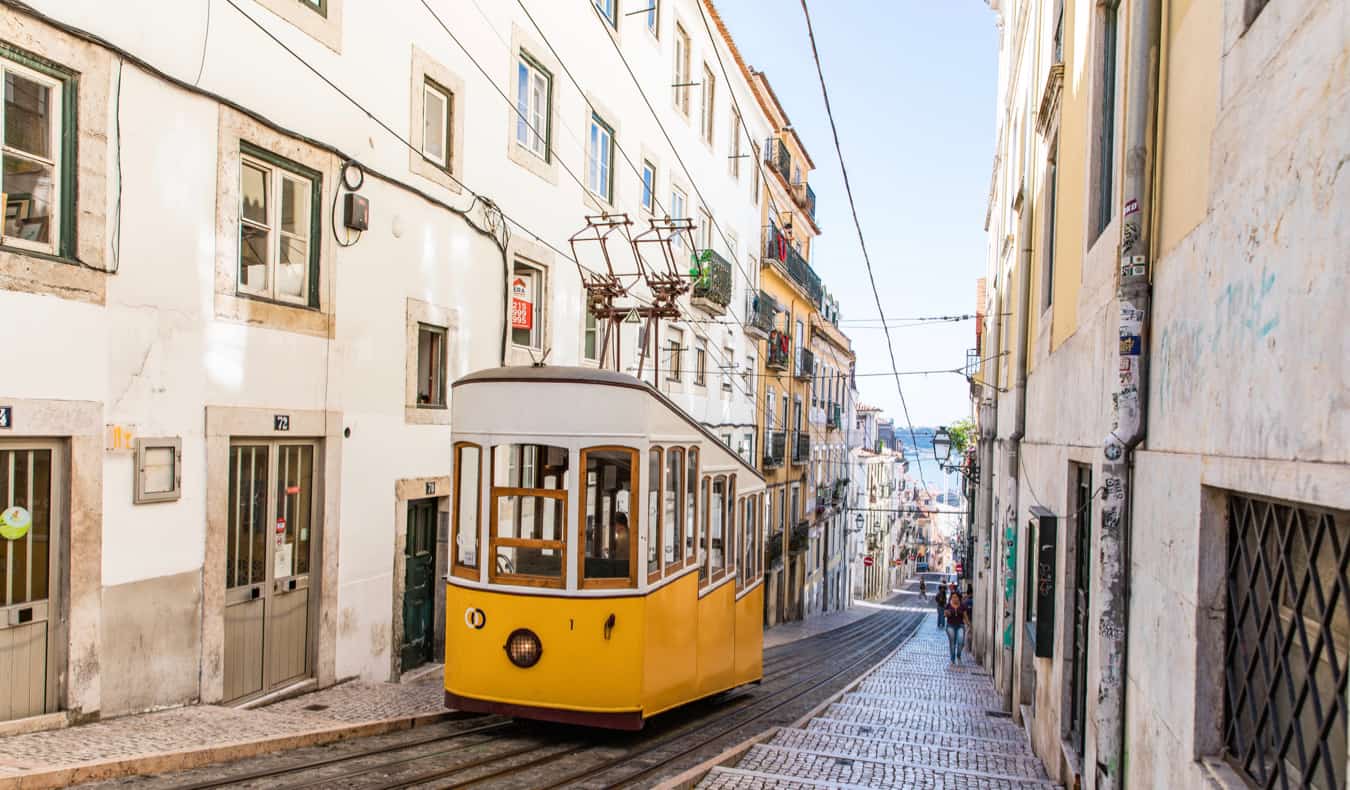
<point>806,198</point>
<point>778,249</point>
<point>780,351</point>
<point>712,289</point>
<point>801,447</point>
<point>806,364</point>
<point>777,156</point>
<point>775,448</point>
<point>760,309</point>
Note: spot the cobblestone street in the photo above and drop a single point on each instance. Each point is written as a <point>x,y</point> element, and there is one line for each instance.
<point>914,722</point>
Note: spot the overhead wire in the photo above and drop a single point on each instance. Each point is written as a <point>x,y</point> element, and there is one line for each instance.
<point>862,243</point>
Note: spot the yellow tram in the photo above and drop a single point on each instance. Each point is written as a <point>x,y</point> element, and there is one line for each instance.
<point>606,551</point>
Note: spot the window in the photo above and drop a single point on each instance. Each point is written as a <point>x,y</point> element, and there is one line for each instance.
<point>534,102</point>
<point>599,159</point>
<point>1286,630</point>
<point>679,209</point>
<point>754,176</point>
<point>1254,9</point>
<point>682,70</point>
<point>709,96</point>
<point>654,17</point>
<point>527,302</point>
<point>1052,193</point>
<point>717,527</point>
<point>705,229</point>
<point>728,357</point>
<point>655,470</point>
<point>706,502</point>
<point>430,367</point>
<point>318,6</point>
<point>468,504</point>
<point>700,365</point>
<point>609,550</point>
<point>690,504</point>
<point>672,537</point>
<point>796,505</point>
<point>39,195</point>
<point>278,229</point>
<point>159,470</point>
<point>747,375</point>
<point>735,158</point>
<point>528,511</point>
<point>609,10</point>
<point>437,107</point>
<point>674,357</point>
<point>1106,117</point>
<point>648,186</point>
<point>591,335</point>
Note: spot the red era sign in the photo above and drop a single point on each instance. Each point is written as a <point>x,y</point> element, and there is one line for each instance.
<point>867,561</point>
<point>522,309</point>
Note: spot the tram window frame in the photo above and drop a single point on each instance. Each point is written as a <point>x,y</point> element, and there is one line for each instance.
<point>634,523</point>
<point>457,568</point>
<point>676,520</point>
<point>729,538</point>
<point>701,543</point>
<point>496,540</point>
<point>655,508</point>
<point>691,505</point>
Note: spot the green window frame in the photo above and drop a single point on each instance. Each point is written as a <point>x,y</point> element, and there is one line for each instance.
<point>68,150</point>
<point>315,223</point>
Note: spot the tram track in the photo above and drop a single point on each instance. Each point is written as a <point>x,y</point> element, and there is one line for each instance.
<point>491,751</point>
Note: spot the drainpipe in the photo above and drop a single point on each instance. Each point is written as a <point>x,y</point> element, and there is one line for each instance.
<point>988,437</point>
<point>1019,415</point>
<point>1133,293</point>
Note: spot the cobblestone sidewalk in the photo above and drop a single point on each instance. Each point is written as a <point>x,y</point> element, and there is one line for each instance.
<point>156,738</point>
<point>914,722</point>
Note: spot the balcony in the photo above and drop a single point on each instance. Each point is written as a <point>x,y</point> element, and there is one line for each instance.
<point>712,290</point>
<point>780,355</point>
<point>760,309</point>
<point>806,364</point>
<point>805,197</point>
<point>775,448</point>
<point>777,156</point>
<point>777,250</point>
<point>801,447</point>
<point>834,416</point>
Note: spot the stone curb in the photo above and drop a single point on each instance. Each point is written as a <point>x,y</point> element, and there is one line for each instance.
<point>164,762</point>
<point>691,777</point>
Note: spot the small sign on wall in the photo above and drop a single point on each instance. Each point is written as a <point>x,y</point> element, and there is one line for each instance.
<point>119,438</point>
<point>6,417</point>
<point>431,487</point>
<point>281,422</point>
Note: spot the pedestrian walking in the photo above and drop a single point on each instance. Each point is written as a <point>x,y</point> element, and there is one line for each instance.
<point>941,600</point>
<point>923,588</point>
<point>956,626</point>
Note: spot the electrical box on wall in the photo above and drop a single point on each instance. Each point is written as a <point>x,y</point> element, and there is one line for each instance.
<point>1046,548</point>
<point>355,211</point>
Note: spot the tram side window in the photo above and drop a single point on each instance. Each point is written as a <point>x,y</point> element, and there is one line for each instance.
<point>654,469</point>
<point>529,531</point>
<point>703,531</point>
<point>608,516</point>
<point>717,528</point>
<point>691,521</point>
<point>468,496</point>
<point>729,534</point>
<point>672,538</point>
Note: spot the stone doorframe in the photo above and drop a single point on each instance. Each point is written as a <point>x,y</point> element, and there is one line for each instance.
<point>78,425</point>
<point>224,423</point>
<point>405,490</point>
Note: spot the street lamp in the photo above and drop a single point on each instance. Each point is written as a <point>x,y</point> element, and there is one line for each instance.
<point>942,445</point>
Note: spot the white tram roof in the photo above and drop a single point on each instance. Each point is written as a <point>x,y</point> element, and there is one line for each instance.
<point>577,406</point>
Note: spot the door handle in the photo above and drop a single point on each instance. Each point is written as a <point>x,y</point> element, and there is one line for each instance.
<point>255,593</point>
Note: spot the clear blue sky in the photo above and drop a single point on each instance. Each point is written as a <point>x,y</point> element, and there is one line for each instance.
<point>912,86</point>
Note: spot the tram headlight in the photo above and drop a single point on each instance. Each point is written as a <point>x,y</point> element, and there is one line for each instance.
<point>523,648</point>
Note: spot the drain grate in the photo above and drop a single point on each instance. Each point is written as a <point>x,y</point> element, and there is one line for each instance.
<point>315,707</point>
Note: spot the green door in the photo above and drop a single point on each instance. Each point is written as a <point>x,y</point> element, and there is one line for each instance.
<point>419,557</point>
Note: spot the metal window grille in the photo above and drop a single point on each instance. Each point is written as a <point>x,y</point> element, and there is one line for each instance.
<point>1285,653</point>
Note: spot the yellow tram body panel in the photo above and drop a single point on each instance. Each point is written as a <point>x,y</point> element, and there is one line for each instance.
<point>666,648</point>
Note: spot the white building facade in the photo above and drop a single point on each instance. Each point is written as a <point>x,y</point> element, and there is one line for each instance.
<point>231,431</point>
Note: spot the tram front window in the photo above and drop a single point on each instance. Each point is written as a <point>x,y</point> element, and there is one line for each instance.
<point>609,515</point>
<point>529,490</point>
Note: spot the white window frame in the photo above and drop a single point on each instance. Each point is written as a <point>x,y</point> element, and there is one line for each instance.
<point>275,176</point>
<point>591,326</point>
<point>728,372</point>
<point>701,364</point>
<point>447,113</point>
<point>440,365</point>
<point>56,116</point>
<point>648,186</point>
<point>675,351</point>
<point>679,209</point>
<point>705,229</point>
<point>735,157</point>
<point>609,11</point>
<point>142,447</point>
<point>683,64</point>
<point>708,116</point>
<point>537,298</point>
<point>654,18</point>
<point>532,119</point>
<point>600,159</point>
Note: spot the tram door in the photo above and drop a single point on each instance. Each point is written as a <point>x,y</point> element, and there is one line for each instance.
<point>29,532</point>
<point>268,555</point>
<point>419,557</point>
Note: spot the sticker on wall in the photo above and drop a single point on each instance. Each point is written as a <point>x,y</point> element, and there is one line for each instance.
<point>15,522</point>
<point>281,526</point>
<point>292,489</point>
<point>282,562</point>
